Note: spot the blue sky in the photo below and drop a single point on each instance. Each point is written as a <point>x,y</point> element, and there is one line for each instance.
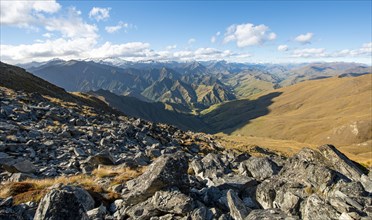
<point>242,31</point>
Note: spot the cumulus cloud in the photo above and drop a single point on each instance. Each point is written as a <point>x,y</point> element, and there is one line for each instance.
<point>24,13</point>
<point>304,38</point>
<point>115,28</point>
<point>364,51</point>
<point>73,37</point>
<point>248,34</point>
<point>191,41</point>
<point>205,54</point>
<point>68,36</point>
<point>71,25</point>
<point>309,52</point>
<point>126,50</point>
<point>283,47</point>
<point>99,13</point>
<point>61,48</point>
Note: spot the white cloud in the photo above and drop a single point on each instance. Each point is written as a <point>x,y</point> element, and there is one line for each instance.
<point>304,38</point>
<point>248,34</point>
<point>214,37</point>
<point>99,13</point>
<point>283,47</point>
<point>126,50</point>
<point>366,48</point>
<point>71,25</point>
<point>364,51</point>
<point>191,41</point>
<point>309,52</point>
<point>46,6</point>
<point>47,35</point>
<point>24,13</point>
<point>61,48</point>
<point>115,28</point>
<point>171,47</point>
<point>204,54</point>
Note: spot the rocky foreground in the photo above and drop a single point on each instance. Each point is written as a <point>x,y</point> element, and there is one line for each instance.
<point>61,160</point>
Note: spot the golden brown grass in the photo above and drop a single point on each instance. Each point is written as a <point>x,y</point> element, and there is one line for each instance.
<point>35,189</point>
<point>331,111</point>
<point>128,175</point>
<point>359,153</point>
<point>246,144</point>
<point>319,112</point>
<point>309,190</point>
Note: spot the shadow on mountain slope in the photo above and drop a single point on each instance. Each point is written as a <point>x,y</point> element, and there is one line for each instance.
<point>155,111</point>
<point>231,116</point>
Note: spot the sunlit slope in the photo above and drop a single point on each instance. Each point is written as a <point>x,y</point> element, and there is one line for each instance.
<point>334,110</point>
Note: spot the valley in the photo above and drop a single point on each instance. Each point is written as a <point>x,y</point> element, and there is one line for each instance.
<point>312,104</point>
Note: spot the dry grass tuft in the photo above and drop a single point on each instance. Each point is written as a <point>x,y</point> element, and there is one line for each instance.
<point>12,189</point>
<point>309,190</point>
<point>33,195</point>
<point>35,189</point>
<point>128,174</point>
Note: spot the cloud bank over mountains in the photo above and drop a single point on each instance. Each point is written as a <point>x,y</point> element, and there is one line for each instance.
<point>64,33</point>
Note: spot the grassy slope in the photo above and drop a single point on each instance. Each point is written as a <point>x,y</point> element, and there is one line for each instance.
<point>249,85</point>
<point>335,110</point>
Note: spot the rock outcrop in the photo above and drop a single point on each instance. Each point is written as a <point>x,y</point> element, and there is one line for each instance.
<point>65,203</point>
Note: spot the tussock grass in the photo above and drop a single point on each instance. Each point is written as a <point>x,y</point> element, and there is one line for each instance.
<point>128,175</point>
<point>35,189</point>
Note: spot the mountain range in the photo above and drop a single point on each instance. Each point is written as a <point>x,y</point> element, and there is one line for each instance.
<point>313,103</point>
<point>192,86</point>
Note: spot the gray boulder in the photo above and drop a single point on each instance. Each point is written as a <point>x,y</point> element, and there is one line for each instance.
<point>340,162</point>
<point>311,169</point>
<point>274,192</point>
<point>260,168</point>
<point>104,158</point>
<point>270,214</point>
<point>202,213</point>
<point>367,183</point>
<point>143,210</point>
<point>166,171</point>
<point>61,204</point>
<point>210,167</point>
<point>172,202</point>
<point>238,210</point>
<point>18,177</point>
<point>316,208</point>
<point>97,213</point>
<point>17,166</point>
